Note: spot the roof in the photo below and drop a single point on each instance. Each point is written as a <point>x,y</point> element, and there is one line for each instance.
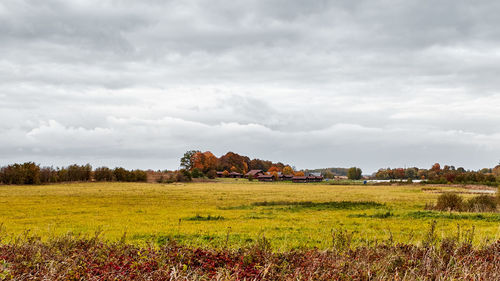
<point>235,173</point>
<point>299,178</point>
<point>265,176</point>
<point>253,172</point>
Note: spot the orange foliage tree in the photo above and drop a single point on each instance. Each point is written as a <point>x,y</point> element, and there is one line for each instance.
<point>205,161</point>
<point>273,169</point>
<point>287,170</point>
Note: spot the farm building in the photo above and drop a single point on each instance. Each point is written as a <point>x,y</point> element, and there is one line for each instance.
<point>285,177</point>
<point>254,173</point>
<point>299,179</point>
<point>229,175</point>
<point>265,178</point>
<point>314,178</point>
<point>235,175</point>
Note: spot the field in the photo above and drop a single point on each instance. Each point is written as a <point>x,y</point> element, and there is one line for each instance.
<point>237,213</point>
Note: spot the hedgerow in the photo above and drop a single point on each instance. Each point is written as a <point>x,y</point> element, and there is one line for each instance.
<point>74,258</point>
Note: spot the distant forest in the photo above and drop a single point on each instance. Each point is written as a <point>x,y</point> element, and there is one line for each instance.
<point>442,175</point>
<point>329,172</point>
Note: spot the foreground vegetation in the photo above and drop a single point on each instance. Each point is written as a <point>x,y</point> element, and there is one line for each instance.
<point>75,258</point>
<point>234,213</point>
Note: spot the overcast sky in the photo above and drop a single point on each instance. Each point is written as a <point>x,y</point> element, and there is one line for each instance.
<point>311,83</point>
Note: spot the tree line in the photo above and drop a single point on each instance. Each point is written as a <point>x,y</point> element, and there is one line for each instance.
<point>31,173</point>
<point>206,163</point>
<point>442,175</point>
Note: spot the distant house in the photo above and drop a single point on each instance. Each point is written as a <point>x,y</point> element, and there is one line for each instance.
<point>314,178</point>
<point>220,174</point>
<point>235,175</point>
<point>285,177</point>
<point>254,173</point>
<point>299,179</point>
<point>265,178</point>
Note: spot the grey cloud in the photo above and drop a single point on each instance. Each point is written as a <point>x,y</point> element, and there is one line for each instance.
<point>322,83</point>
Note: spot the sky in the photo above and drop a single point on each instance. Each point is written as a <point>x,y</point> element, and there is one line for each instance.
<point>314,84</point>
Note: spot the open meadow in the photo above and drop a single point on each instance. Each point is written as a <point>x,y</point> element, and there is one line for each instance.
<point>235,213</point>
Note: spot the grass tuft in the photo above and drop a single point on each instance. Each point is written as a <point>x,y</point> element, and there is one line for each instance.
<point>207,218</point>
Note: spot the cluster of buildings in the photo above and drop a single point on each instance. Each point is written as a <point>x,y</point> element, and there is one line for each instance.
<point>262,176</point>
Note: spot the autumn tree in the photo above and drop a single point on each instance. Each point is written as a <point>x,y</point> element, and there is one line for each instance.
<point>299,174</point>
<point>275,175</point>
<point>120,174</point>
<point>436,168</point>
<point>79,173</point>
<point>48,175</point>
<point>287,170</point>
<point>354,173</point>
<point>496,171</point>
<point>230,160</point>
<point>31,173</point>
<point>210,161</point>
<point>257,164</point>
<point>204,162</point>
<point>273,169</point>
<point>186,160</point>
<point>411,173</point>
<point>399,173</point>
<point>245,168</point>
<point>197,161</point>
<point>103,174</point>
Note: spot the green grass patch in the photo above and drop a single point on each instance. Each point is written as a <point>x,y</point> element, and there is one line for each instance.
<point>207,218</point>
<point>382,215</point>
<point>320,206</point>
<point>453,216</point>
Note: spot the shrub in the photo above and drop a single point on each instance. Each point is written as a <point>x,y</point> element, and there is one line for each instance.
<point>182,176</point>
<point>212,174</point>
<point>449,202</point>
<point>196,173</point>
<point>482,203</point>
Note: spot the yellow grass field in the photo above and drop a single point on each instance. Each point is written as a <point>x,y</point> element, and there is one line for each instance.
<point>234,213</point>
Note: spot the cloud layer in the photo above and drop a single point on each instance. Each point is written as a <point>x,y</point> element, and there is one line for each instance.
<point>326,83</point>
